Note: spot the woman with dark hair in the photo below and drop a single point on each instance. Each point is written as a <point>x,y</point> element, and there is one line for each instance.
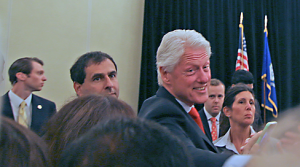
<point>239,110</point>
<point>20,147</point>
<point>78,116</point>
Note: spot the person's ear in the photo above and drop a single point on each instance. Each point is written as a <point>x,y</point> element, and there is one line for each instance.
<point>165,76</point>
<point>21,76</point>
<point>227,111</point>
<point>77,87</point>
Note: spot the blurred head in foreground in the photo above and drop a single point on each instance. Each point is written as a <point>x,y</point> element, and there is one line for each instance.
<point>20,147</point>
<point>288,133</point>
<point>126,142</point>
<point>78,116</point>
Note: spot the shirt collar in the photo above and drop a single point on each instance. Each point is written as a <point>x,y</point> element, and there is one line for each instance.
<point>16,100</point>
<point>186,107</point>
<point>208,116</point>
<point>225,141</point>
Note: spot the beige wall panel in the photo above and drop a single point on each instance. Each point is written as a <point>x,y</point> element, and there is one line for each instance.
<point>4,31</point>
<point>119,33</point>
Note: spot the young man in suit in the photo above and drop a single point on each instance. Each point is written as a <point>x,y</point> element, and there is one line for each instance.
<point>26,76</point>
<point>183,69</point>
<point>210,113</point>
<point>95,73</point>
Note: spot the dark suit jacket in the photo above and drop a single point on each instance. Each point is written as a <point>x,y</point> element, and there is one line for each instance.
<point>164,109</point>
<point>39,116</point>
<point>205,124</point>
<point>258,123</point>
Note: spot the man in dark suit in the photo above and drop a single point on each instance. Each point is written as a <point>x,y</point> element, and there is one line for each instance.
<point>26,76</point>
<point>183,69</point>
<point>210,113</point>
<point>95,73</point>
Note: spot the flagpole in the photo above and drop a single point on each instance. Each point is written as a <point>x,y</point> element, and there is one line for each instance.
<point>265,120</point>
<point>242,41</point>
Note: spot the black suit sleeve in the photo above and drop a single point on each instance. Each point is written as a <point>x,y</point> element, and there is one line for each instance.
<point>172,118</point>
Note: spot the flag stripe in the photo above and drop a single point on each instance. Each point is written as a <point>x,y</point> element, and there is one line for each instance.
<point>242,57</point>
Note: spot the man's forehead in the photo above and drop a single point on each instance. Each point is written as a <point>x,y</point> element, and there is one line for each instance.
<point>98,69</point>
<point>36,66</point>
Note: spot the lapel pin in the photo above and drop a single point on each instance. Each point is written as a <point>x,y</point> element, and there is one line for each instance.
<point>39,107</point>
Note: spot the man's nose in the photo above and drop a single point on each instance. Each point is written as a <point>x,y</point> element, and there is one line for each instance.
<point>217,100</point>
<point>109,82</point>
<point>203,77</point>
<point>44,78</point>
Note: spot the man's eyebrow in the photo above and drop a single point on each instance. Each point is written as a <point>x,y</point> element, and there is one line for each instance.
<point>112,72</point>
<point>98,75</point>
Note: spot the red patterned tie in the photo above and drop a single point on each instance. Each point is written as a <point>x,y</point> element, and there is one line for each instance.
<point>196,117</point>
<point>214,134</point>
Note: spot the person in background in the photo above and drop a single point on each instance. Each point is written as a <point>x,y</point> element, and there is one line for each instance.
<point>210,113</point>
<point>21,147</point>
<point>239,108</point>
<point>126,142</point>
<point>246,77</point>
<point>26,76</point>
<point>78,116</point>
<point>95,73</point>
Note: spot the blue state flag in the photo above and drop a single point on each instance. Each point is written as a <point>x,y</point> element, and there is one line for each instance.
<point>269,92</point>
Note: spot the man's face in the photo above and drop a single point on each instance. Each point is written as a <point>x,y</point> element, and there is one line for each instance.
<point>35,80</point>
<point>100,79</point>
<point>215,100</point>
<point>188,81</point>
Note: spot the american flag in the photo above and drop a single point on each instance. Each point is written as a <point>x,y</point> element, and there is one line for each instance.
<point>242,58</point>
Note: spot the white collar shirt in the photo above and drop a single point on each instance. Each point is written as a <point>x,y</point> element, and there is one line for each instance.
<point>185,106</point>
<point>208,116</point>
<point>226,141</point>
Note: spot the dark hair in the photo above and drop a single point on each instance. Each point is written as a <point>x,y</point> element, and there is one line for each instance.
<point>242,76</point>
<point>228,101</point>
<point>21,147</point>
<point>216,82</point>
<point>78,116</point>
<point>126,142</point>
<point>77,71</point>
<point>23,65</point>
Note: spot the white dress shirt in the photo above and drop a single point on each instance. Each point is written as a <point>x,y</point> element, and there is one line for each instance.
<point>226,141</point>
<point>15,102</point>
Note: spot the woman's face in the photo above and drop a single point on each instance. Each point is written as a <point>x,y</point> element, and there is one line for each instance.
<point>243,108</point>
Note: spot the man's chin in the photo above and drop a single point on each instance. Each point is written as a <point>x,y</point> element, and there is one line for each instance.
<point>201,100</point>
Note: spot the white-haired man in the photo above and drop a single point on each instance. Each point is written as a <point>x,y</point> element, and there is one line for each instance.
<point>183,69</point>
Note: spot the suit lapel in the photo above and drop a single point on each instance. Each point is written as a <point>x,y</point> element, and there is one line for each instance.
<point>162,92</point>
<point>36,111</point>
<point>205,124</point>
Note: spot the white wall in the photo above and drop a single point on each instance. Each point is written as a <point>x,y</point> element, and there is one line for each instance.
<point>59,31</point>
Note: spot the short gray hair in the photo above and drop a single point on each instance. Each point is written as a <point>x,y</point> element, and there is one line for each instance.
<point>173,46</point>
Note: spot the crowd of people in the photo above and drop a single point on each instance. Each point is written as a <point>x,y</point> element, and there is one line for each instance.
<point>98,129</point>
